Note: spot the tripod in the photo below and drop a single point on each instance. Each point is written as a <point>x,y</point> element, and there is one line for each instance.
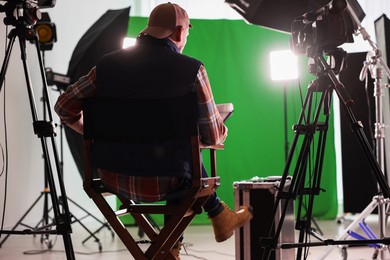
<point>307,126</point>
<point>44,130</point>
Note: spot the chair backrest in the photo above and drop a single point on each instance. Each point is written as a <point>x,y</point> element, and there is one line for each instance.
<point>145,121</point>
<point>140,120</point>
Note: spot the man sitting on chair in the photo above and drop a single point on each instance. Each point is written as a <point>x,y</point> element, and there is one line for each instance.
<point>155,68</point>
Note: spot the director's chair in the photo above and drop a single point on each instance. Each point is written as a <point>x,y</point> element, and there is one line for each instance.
<point>146,121</point>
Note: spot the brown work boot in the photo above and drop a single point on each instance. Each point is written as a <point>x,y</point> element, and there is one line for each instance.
<point>227,221</point>
<point>176,250</point>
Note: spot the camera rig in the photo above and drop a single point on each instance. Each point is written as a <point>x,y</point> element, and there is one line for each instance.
<point>322,30</point>
<point>24,12</point>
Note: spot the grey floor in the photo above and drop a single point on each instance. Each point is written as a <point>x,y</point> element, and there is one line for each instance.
<point>198,240</point>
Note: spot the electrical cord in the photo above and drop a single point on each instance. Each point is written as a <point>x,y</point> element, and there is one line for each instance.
<point>189,245</point>
<point>186,245</point>
<point>37,252</point>
<point>4,170</point>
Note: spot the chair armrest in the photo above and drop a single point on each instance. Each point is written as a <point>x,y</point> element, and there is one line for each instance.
<point>215,147</point>
<point>213,156</point>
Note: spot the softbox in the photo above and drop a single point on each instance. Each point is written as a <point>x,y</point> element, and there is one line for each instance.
<point>382,33</point>
<point>104,36</point>
<point>279,14</point>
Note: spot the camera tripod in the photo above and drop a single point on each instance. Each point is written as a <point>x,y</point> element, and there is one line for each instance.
<point>303,185</point>
<point>44,130</point>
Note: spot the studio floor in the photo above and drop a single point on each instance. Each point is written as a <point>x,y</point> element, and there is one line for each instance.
<point>199,243</point>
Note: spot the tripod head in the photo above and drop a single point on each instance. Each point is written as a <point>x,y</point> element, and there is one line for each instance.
<point>24,12</point>
<point>318,33</point>
<point>336,61</point>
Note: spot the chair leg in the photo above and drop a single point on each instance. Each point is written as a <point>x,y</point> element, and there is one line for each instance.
<point>160,249</point>
<point>162,241</point>
<point>146,226</point>
<point>141,232</point>
<point>142,221</point>
<point>172,231</point>
<point>119,228</point>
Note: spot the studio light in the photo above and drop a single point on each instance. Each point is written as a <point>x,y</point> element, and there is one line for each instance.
<point>128,42</point>
<point>284,65</point>
<point>46,31</point>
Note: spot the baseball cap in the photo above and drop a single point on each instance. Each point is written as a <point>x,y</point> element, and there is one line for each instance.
<point>164,19</point>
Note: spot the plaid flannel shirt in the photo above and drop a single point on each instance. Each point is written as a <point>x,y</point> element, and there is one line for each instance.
<point>144,189</point>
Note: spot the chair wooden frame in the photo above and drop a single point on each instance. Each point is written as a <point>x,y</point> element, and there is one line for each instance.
<point>102,121</point>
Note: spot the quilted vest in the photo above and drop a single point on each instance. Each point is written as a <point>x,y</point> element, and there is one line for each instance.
<point>153,69</point>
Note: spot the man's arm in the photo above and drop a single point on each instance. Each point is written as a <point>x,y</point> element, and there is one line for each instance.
<point>211,126</point>
<point>69,104</point>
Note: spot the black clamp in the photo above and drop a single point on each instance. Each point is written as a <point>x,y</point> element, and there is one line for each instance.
<point>44,128</point>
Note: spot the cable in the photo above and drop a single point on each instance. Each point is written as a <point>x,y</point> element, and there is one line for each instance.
<point>186,245</point>
<point>5,121</point>
<point>5,161</point>
<point>189,245</point>
<point>37,252</point>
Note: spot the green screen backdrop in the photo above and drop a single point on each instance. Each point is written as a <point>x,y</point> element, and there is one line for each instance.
<point>236,57</point>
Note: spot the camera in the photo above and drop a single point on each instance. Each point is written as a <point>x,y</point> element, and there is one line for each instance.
<point>39,3</point>
<point>24,12</point>
<point>322,30</point>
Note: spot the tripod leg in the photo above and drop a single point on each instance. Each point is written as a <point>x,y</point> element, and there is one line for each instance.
<point>64,221</point>
<point>12,37</point>
<point>43,130</point>
<point>21,219</point>
<point>307,126</point>
<point>4,67</point>
<point>271,241</point>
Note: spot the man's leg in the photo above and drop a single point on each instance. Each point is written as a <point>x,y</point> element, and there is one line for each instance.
<point>213,205</point>
<point>224,220</point>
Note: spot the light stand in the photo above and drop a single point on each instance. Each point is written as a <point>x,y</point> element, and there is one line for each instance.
<point>375,64</point>
<point>284,68</point>
<point>285,120</point>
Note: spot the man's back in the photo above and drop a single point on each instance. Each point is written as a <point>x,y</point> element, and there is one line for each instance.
<point>151,69</point>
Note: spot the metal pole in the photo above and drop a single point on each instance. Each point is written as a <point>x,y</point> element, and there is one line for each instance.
<point>377,65</point>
